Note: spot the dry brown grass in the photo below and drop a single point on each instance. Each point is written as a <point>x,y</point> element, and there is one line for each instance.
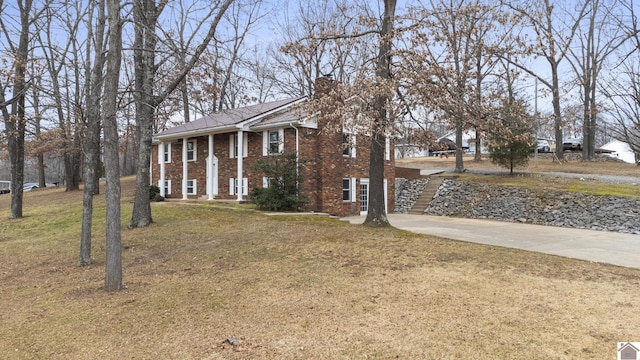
<point>542,164</point>
<point>541,174</point>
<point>295,288</point>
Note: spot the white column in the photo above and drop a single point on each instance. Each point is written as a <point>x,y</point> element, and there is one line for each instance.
<point>185,171</point>
<point>163,173</point>
<point>240,156</point>
<point>210,169</point>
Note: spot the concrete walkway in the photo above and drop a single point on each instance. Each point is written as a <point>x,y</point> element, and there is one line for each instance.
<point>598,246</point>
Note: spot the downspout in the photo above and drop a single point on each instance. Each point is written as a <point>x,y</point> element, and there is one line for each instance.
<point>240,146</point>
<point>210,168</point>
<point>185,169</point>
<point>163,172</point>
<point>297,156</point>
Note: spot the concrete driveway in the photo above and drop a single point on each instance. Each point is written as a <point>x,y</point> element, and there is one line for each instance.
<point>591,245</point>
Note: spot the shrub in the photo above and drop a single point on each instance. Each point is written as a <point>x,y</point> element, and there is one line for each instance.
<point>154,193</point>
<point>281,192</point>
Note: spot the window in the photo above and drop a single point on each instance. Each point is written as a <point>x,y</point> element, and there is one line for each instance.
<point>233,186</point>
<point>346,189</point>
<point>273,142</point>
<point>233,145</point>
<point>167,187</point>
<point>348,145</point>
<point>167,152</point>
<point>191,150</point>
<point>349,189</point>
<point>272,181</point>
<point>191,187</point>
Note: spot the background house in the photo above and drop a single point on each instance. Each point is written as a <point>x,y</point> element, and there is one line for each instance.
<point>621,150</point>
<point>213,157</point>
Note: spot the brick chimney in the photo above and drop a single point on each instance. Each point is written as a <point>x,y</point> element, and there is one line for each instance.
<point>324,85</point>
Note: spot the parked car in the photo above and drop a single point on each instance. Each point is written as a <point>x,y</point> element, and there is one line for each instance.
<point>543,146</point>
<point>572,145</point>
<point>444,146</point>
<point>29,186</point>
<point>5,187</point>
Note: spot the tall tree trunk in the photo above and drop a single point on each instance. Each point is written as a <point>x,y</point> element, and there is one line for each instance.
<point>113,270</point>
<point>92,140</point>
<point>146,14</point>
<point>42,181</point>
<point>377,216</point>
<point>557,115</point>
<point>145,17</point>
<point>15,122</point>
<point>478,153</point>
<point>459,132</point>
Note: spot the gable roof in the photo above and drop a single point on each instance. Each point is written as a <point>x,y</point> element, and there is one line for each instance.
<point>260,115</point>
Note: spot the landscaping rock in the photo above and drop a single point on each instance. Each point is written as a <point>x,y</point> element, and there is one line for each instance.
<point>544,207</point>
<point>407,192</point>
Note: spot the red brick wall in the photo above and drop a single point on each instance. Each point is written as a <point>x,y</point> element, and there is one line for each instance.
<point>322,166</point>
<point>407,173</point>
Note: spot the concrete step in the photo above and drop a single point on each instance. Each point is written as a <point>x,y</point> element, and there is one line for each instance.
<point>427,195</point>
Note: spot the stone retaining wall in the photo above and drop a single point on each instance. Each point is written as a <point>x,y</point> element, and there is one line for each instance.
<point>545,207</point>
<point>407,192</point>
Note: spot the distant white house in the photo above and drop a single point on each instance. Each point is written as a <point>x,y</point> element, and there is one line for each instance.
<point>405,149</point>
<point>621,150</point>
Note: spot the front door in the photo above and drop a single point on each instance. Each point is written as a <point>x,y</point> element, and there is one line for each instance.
<point>364,197</point>
<point>212,177</point>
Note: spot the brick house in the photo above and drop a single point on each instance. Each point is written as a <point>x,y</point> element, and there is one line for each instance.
<point>212,157</point>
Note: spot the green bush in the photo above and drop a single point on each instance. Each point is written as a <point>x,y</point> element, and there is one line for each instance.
<point>282,193</point>
<point>154,193</point>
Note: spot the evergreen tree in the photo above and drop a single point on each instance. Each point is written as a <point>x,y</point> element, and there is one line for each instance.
<point>510,136</point>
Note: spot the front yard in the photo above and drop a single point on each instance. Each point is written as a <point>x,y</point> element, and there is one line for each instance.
<point>213,282</point>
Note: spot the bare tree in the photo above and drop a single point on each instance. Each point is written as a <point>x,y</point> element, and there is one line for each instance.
<point>317,39</point>
<point>601,36</point>
<point>217,81</point>
<point>13,109</point>
<point>37,119</point>
<point>377,216</point>
<point>365,102</point>
<point>113,267</point>
<point>92,141</point>
<point>448,57</point>
<point>622,89</point>
<point>148,97</point>
<point>553,38</point>
<point>64,80</point>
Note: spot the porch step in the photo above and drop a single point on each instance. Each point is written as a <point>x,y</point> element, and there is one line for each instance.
<point>206,197</point>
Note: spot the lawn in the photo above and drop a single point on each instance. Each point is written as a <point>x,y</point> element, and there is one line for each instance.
<point>211,281</point>
<point>533,176</point>
<point>542,164</point>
